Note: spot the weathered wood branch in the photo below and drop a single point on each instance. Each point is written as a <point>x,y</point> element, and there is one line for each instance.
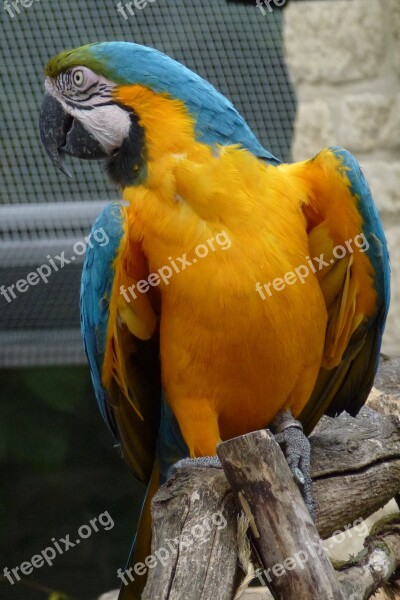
<point>282,529</point>
<point>356,470</point>
<point>194,538</point>
<point>355,467</point>
<point>379,561</point>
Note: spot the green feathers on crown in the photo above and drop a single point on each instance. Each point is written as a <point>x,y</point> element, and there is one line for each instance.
<point>74,58</point>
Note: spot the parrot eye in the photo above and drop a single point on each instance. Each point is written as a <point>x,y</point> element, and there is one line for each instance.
<point>78,78</point>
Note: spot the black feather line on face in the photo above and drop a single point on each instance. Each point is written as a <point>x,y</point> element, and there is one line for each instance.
<point>127,166</point>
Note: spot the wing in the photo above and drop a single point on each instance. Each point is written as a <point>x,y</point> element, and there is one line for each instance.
<point>344,226</point>
<point>120,335</point>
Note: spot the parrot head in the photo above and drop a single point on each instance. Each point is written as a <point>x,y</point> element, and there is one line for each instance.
<point>115,101</point>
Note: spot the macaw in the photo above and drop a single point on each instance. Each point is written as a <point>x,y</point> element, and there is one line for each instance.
<point>234,339</point>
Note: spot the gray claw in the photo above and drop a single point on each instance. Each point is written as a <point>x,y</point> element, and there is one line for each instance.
<point>298,476</point>
<point>201,462</point>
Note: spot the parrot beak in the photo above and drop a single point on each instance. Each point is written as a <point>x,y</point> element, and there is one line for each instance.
<point>62,134</point>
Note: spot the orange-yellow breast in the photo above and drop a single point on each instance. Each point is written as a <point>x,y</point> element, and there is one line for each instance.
<point>230,360</point>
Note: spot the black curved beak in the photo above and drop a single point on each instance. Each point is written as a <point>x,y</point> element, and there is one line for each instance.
<point>61,134</point>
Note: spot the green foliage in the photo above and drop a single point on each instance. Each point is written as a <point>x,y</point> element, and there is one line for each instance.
<point>60,470</point>
<point>58,596</point>
<point>59,388</point>
<point>36,413</point>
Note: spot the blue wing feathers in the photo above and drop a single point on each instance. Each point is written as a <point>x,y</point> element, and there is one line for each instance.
<point>360,361</point>
<point>347,386</point>
<point>373,230</point>
<point>96,285</point>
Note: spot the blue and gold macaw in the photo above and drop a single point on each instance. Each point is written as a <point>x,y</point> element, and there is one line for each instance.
<point>234,338</point>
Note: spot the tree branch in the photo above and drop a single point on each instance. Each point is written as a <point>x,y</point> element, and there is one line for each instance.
<point>284,535</point>
<point>356,470</point>
<point>377,563</point>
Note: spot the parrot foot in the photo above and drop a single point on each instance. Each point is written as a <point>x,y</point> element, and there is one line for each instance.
<point>201,462</point>
<point>297,450</point>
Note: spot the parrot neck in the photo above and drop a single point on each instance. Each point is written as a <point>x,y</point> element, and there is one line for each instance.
<point>169,129</point>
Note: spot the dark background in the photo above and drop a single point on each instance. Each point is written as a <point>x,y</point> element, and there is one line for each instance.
<point>58,466</point>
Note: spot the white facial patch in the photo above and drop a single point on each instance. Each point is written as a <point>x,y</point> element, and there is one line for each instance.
<point>108,123</point>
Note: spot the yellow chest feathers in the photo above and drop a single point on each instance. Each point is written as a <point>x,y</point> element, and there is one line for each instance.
<point>232,215</point>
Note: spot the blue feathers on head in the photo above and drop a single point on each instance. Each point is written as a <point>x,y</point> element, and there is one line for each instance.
<point>218,122</point>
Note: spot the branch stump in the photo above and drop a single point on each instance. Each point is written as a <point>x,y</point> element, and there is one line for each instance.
<point>284,534</point>
<point>194,538</point>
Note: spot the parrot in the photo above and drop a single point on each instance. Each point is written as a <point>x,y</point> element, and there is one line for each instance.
<point>236,292</point>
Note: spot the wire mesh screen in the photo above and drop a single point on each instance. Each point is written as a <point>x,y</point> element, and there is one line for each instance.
<point>229,43</point>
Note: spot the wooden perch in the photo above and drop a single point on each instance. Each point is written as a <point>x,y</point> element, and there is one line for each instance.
<point>284,535</point>
<point>355,463</point>
<point>379,561</point>
<point>356,470</point>
<point>194,533</point>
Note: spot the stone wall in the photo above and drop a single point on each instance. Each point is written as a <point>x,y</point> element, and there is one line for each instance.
<point>344,59</point>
